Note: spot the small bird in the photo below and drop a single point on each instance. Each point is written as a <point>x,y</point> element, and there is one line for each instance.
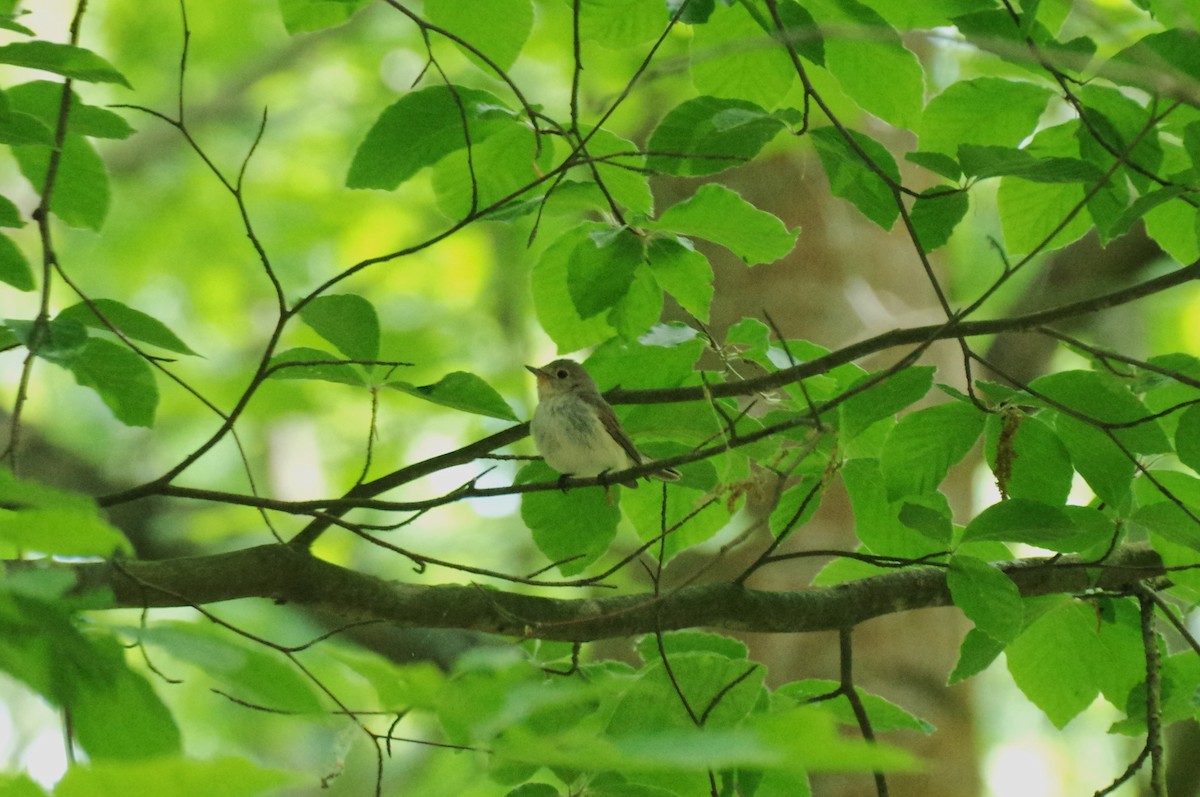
<point>576,431</point>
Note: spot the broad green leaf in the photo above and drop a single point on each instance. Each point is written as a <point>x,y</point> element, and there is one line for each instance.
<point>122,378</point>
<point>1020,520</point>
<point>552,298</point>
<point>1101,463</point>
<point>983,162</point>
<point>420,129</point>
<point>720,215</point>
<point>1172,225</point>
<point>43,99</point>
<point>1066,657</point>
<point>622,23</point>
<point>986,596</point>
<point>859,47</point>
<point>58,341</point>
<point>732,56</point>
<point>461,391</point>
<point>682,272</point>
<point>1187,437</point>
<point>1140,207</point>
<point>1011,108</point>
<point>81,191</point>
<point>601,267</point>
<point>977,652</point>
<point>572,529</point>
<point>1119,121</point>
<point>796,506</point>
<point>885,715</point>
<point>348,321</point>
<point>622,173</point>
<point>1170,522</point>
<point>1037,216</point>
<point>18,129</point>
<point>876,520</point>
<point>303,362</point>
<point>852,179</point>
<point>1104,399</point>
<point>248,672</point>
<point>928,514</point>
<point>10,216</point>
<point>62,531</point>
<point>497,28</point>
<point>802,31</point>
<point>937,163</point>
<point>227,777</point>
<point>640,308</point>
<point>675,642</point>
<point>654,703</point>
<point>14,268</point>
<point>305,16</point>
<point>924,444</point>
<point>1172,55</point>
<point>936,213</point>
<point>67,60</point>
<point>1038,464</point>
<point>644,508</point>
<point>706,135</point>
<point>498,168</point>
<point>883,399</point>
<point>132,323</point>
<point>19,785</point>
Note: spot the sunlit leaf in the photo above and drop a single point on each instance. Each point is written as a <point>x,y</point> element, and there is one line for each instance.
<point>132,323</point>
<point>461,391</point>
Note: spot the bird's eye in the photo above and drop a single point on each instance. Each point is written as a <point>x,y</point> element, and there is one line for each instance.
<point>561,373</point>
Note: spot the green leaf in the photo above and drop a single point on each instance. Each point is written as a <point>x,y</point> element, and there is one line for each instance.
<point>720,215</point>
<point>982,162</point>
<point>682,272</point>
<point>10,216</point>
<point>1172,56</point>
<point>936,213</point>
<point>622,176</point>
<point>732,56</point>
<point>132,323</point>
<point>883,399</point>
<point>497,28</point>
<point>552,298</point>
<point>498,168</point>
<point>1011,108</point>
<point>62,531</point>
<point>19,785</point>
<point>348,321</point>
<point>876,520</point>
<point>58,341</point>
<point>654,703</point>
<point>303,362</point>
<point>977,652</point>
<point>62,59</point>
<point>305,16</point>
<point>1140,207</point>
<point>924,444</point>
<point>802,30</point>
<point>461,391</point>
<point>644,508</point>
<point>640,308</point>
<point>621,23</point>
<point>123,379</point>
<point>43,99</point>
<point>227,777</point>
<point>1108,400</point>
<point>870,48</point>
<point>420,129</point>
<point>1039,463</point>
<point>852,179</point>
<point>937,163</point>
<point>249,672</point>
<point>572,529</point>
<point>986,596</point>
<point>676,642</point>
<point>796,506</point>
<point>706,135</point>
<point>1020,520</point>
<point>14,268</point>
<point>885,715</point>
<point>1187,437</point>
<point>1101,463</point>
<point>600,269</point>
<point>1066,657</point>
<point>81,192</point>
<point>18,129</point>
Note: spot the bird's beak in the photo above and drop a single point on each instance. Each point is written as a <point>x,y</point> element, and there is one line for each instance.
<point>538,372</point>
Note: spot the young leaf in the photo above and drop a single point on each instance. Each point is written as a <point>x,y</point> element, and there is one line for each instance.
<point>62,59</point>
<point>498,28</point>
<point>303,362</point>
<point>132,323</point>
<point>682,272</point>
<point>924,444</point>
<point>348,321</point>
<point>461,391</point>
<point>14,268</point>
<point>600,269</point>
<point>720,215</point>
<point>706,135</point>
<point>123,379</point>
<point>853,179</point>
<point>305,16</point>
<point>43,99</point>
<point>81,191</point>
<point>420,129</point>
<point>572,529</point>
<point>986,596</point>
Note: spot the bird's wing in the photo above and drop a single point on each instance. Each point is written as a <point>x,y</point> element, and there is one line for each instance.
<point>613,427</point>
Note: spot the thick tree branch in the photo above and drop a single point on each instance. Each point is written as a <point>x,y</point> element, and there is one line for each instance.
<point>281,573</point>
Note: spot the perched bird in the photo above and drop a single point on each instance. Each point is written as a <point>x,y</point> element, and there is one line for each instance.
<point>576,431</point>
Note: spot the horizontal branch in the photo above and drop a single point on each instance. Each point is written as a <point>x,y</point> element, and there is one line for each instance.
<point>283,574</point>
